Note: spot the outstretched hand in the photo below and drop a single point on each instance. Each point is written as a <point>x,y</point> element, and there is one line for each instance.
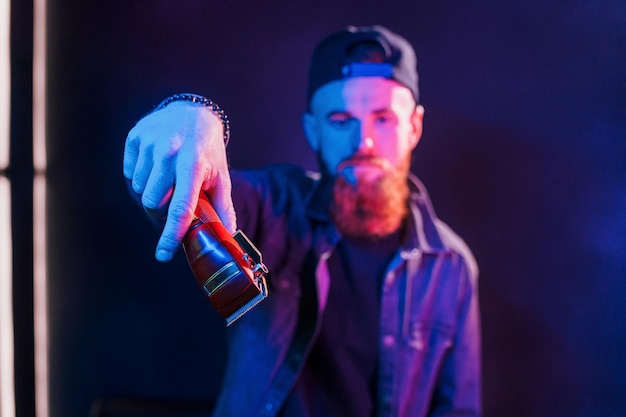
<point>172,155</point>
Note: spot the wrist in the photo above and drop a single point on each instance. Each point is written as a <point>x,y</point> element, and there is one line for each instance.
<point>200,101</point>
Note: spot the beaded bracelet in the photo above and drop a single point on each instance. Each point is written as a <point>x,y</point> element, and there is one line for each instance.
<point>206,102</point>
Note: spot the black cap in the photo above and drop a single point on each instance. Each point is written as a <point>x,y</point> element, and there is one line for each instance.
<point>334,58</point>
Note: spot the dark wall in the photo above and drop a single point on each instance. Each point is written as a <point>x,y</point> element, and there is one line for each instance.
<point>523,153</point>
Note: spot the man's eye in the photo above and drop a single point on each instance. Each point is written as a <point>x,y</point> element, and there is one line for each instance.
<point>384,119</point>
<point>340,121</point>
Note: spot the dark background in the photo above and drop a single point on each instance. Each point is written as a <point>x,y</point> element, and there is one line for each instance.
<point>523,152</point>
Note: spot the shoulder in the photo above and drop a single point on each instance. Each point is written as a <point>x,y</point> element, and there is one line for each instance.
<point>281,175</point>
<point>438,234</point>
<point>456,244</point>
<point>271,193</point>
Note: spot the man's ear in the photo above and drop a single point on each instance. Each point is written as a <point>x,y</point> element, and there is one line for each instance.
<point>311,130</point>
<point>417,120</point>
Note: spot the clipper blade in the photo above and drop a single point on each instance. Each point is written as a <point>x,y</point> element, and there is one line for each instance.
<point>237,314</point>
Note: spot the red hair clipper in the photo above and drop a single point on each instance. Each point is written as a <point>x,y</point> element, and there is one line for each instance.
<point>228,268</point>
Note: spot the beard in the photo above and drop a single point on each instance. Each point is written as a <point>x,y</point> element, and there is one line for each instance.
<point>370,197</point>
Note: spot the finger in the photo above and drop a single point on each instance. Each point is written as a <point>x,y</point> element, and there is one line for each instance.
<point>222,201</point>
<point>131,153</point>
<point>179,215</point>
<point>158,213</point>
<point>158,190</point>
<point>143,168</point>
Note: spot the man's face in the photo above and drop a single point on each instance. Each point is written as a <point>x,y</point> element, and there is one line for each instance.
<point>363,130</point>
<point>362,117</point>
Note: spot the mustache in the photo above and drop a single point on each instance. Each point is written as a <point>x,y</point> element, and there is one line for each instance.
<point>363,159</point>
<point>348,170</point>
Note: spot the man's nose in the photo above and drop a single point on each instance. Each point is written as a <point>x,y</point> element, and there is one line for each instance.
<point>366,140</point>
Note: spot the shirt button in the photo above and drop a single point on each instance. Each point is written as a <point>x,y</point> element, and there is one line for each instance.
<point>269,406</point>
<point>389,341</point>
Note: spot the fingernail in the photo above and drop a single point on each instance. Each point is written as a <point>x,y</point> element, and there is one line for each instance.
<point>163,256</point>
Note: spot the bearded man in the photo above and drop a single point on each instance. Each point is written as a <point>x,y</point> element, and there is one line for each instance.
<point>373,305</point>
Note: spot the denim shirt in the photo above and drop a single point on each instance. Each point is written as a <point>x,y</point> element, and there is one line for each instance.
<point>429,327</point>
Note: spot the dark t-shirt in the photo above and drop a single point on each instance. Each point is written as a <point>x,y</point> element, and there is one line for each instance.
<point>339,377</point>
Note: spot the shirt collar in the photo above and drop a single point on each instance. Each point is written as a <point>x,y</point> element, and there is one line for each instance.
<point>422,232</point>
<point>319,197</point>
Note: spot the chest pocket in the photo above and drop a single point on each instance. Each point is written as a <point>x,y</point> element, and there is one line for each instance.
<point>427,336</point>
<point>431,289</point>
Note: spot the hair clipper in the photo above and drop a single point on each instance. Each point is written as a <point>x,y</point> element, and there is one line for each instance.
<point>228,268</point>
